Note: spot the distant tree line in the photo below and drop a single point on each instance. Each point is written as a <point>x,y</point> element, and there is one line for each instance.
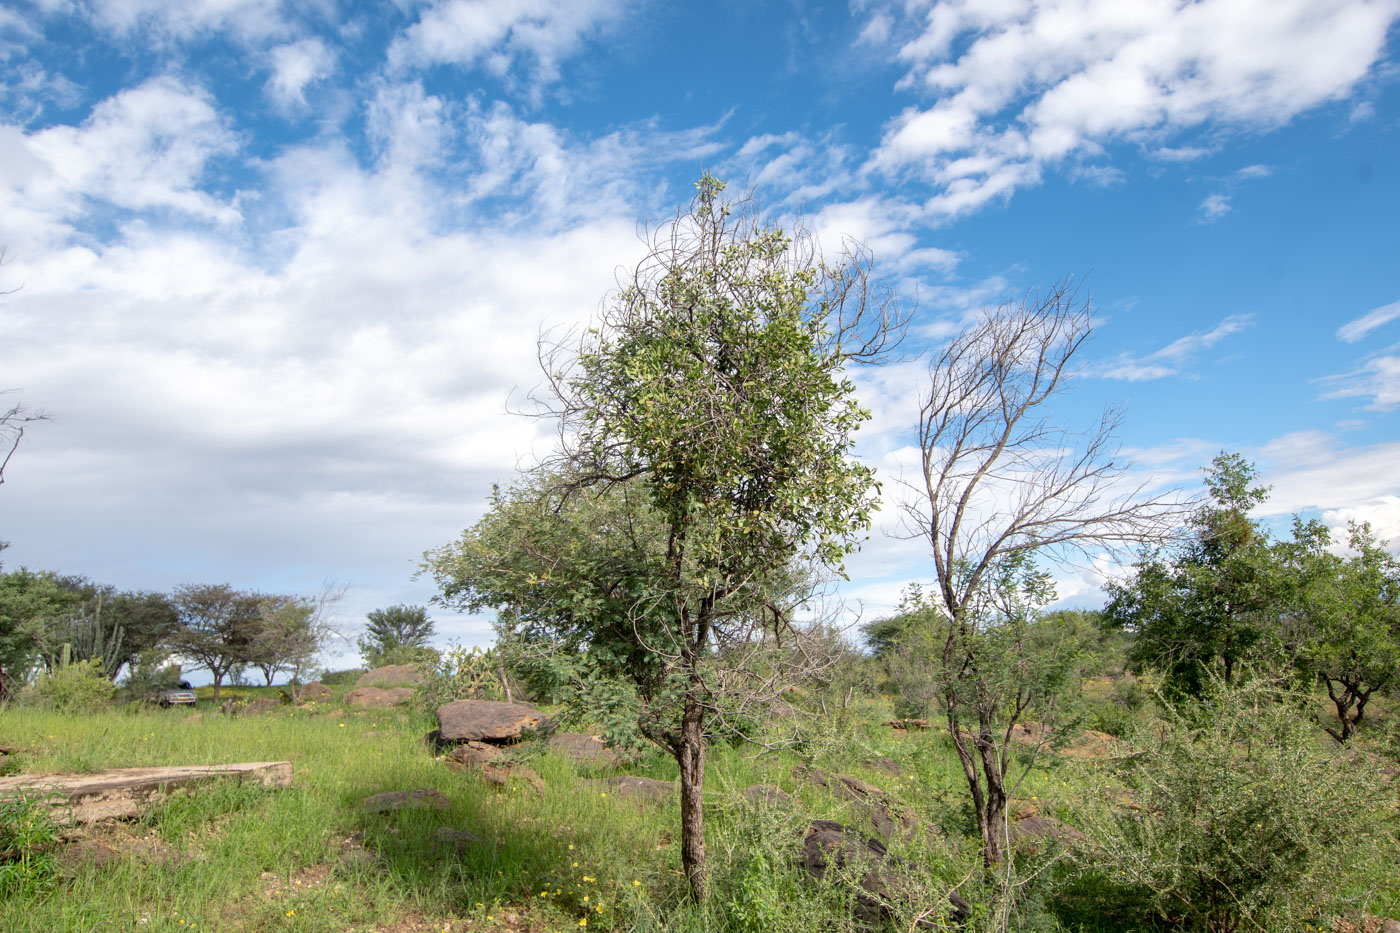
<point>50,620</point>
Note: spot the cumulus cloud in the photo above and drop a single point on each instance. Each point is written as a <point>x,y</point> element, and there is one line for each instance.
<point>145,148</point>
<point>295,66</point>
<point>1020,85</point>
<point>185,19</point>
<point>499,35</point>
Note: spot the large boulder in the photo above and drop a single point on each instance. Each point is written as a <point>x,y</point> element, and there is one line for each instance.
<point>830,846</point>
<point>375,698</point>
<point>315,692</point>
<point>486,721</point>
<point>395,675</point>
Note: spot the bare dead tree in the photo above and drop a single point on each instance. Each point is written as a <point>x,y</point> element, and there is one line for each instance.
<point>1003,481</point>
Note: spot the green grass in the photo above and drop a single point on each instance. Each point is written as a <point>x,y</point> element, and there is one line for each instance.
<point>242,859</point>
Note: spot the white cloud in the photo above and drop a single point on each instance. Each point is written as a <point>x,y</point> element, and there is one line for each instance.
<point>1172,359</point>
<point>1382,512</point>
<point>1352,331</point>
<point>1022,85</point>
<point>295,66</point>
<point>1377,379</point>
<point>1214,207</point>
<point>143,149</point>
<point>498,34</point>
<point>184,19</point>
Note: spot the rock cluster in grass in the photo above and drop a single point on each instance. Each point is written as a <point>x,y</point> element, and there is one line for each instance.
<point>394,675</point>
<point>378,698</point>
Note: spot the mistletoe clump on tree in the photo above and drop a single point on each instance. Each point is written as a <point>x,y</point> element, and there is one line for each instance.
<point>712,390</point>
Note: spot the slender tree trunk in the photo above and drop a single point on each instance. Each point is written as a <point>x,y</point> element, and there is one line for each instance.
<point>690,755</point>
<point>218,679</point>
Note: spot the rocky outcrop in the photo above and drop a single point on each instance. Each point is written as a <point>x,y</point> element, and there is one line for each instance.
<point>486,721</point>
<point>583,749</point>
<point>473,755</point>
<point>395,675</point>
<point>124,793</point>
<point>375,698</point>
<point>830,845</point>
<point>887,818</point>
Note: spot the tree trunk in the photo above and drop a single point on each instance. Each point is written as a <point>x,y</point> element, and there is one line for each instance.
<point>690,755</point>
<point>218,678</point>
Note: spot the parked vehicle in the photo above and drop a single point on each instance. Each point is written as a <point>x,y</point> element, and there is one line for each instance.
<point>182,694</point>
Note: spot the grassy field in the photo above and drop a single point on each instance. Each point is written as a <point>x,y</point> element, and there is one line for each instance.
<point>568,857</point>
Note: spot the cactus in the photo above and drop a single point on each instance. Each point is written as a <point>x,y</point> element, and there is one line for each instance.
<point>85,638</point>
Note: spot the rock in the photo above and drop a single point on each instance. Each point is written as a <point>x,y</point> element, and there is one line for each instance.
<point>315,692</point>
<point>887,820</point>
<point>262,705</point>
<point>487,721</point>
<point>887,765</point>
<point>123,793</point>
<point>633,788</point>
<point>583,749</point>
<point>395,675</point>
<point>1031,830</point>
<point>88,854</point>
<point>375,698</point>
<point>908,725</point>
<point>420,798</point>
<point>458,839</point>
<point>472,754</point>
<point>768,795</point>
<point>830,845</point>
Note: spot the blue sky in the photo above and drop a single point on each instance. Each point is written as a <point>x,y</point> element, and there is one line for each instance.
<point>280,266</point>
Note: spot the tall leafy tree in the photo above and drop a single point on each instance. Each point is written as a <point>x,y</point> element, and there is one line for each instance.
<point>714,381</point>
<point>396,635</point>
<point>1214,601</point>
<point>27,600</point>
<point>1341,621</point>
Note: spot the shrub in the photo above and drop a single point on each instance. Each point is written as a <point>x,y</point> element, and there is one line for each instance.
<point>341,678</point>
<point>72,688</point>
<point>1237,816</point>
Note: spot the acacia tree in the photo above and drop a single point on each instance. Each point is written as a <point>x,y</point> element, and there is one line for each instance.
<point>217,627</point>
<point>1001,483</point>
<point>713,379</point>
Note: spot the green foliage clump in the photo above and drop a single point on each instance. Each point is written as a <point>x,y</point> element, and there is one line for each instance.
<point>461,674</point>
<point>341,678</point>
<point>27,835</point>
<point>397,635</point>
<point>1235,815</point>
<point>78,687</point>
